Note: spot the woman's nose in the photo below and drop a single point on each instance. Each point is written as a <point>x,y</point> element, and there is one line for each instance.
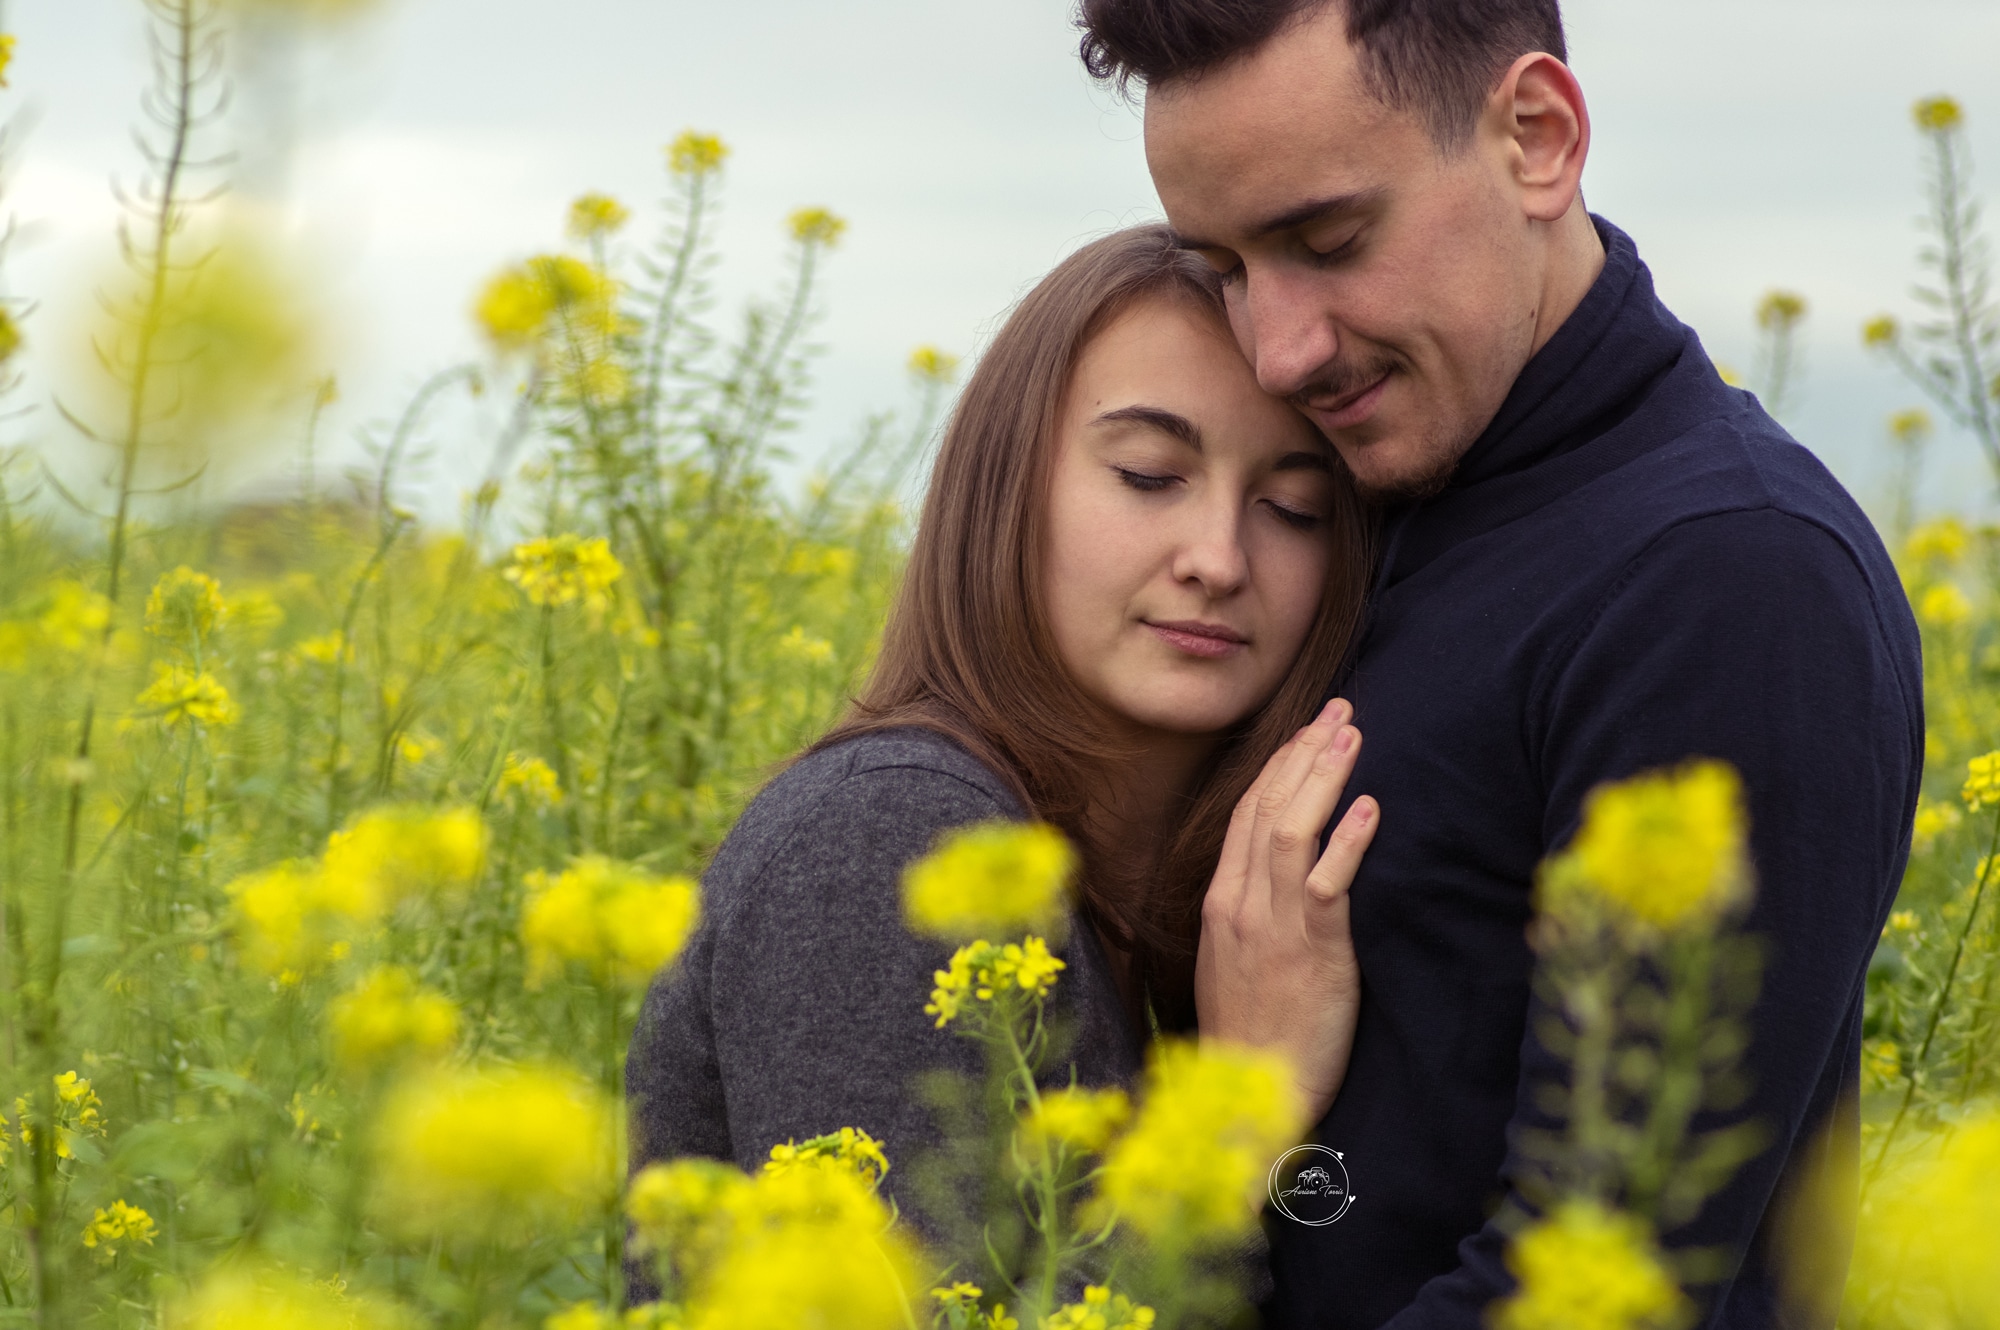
<point>1210,551</point>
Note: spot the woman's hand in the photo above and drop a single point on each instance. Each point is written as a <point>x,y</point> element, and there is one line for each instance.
<point>1276,968</point>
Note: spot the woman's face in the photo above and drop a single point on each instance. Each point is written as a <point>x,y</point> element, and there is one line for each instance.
<point>1188,525</point>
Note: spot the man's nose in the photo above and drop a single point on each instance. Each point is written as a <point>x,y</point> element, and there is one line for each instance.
<point>1287,333</point>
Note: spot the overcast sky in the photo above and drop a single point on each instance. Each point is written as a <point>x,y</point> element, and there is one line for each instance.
<point>1745,144</point>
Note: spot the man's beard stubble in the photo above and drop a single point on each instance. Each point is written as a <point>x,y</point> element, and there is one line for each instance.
<point>1438,457</point>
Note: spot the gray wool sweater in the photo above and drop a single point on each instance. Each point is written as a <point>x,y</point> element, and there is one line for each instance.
<point>797,1007</point>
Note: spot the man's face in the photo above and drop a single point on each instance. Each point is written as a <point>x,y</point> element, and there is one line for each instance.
<point>1389,290</point>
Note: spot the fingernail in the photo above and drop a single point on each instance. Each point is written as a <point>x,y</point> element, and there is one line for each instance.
<point>1362,812</point>
<point>1327,712</point>
<point>1345,739</point>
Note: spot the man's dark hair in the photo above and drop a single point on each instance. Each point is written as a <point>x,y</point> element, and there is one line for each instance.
<point>1438,59</point>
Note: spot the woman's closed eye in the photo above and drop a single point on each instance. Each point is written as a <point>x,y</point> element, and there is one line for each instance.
<point>1297,518</point>
<point>1144,481</point>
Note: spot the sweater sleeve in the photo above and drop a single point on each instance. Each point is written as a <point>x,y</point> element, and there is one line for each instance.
<point>798,1008</point>
<point>1754,637</point>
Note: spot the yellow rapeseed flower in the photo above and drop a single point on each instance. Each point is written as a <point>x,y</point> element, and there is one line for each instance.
<point>1780,309</point>
<point>120,1224</point>
<point>240,1298</point>
<point>1934,820</point>
<point>983,971</point>
<point>79,1112</point>
<point>280,925</point>
<point>996,877</point>
<point>6,56</point>
<point>396,853</point>
<point>850,1148</point>
<point>10,331</point>
<point>1937,114</point>
<point>695,154</point>
<point>618,922</point>
<point>1101,1310</point>
<point>1928,1229</point>
<point>1212,1119</point>
<point>1879,331</point>
<point>185,606</point>
<point>685,1206</point>
<point>1982,781</point>
<point>1943,606</point>
<point>559,570</point>
<point>1944,540</point>
<point>470,1154</point>
<point>932,365</point>
<point>817,226</point>
<point>388,1016</point>
<point>590,1316</point>
<point>529,779</point>
<point>520,306</point>
<point>1665,850</point>
<point>178,694</point>
<point>74,617</point>
<point>596,215</point>
<point>1588,1268</point>
<point>1911,427</point>
<point>1881,1062</point>
<point>1078,1118</point>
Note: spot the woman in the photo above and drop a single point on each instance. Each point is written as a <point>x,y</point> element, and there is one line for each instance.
<point>1133,574</point>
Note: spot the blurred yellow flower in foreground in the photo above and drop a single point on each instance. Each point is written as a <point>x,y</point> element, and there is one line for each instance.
<point>392,854</point>
<point>618,922</point>
<point>6,56</point>
<point>996,877</point>
<point>522,305</point>
<point>178,693</point>
<point>558,570</point>
<point>1191,1171</point>
<point>1937,114</point>
<point>120,1224</point>
<point>1943,606</point>
<point>387,1016</point>
<point>74,616</point>
<point>817,226</point>
<point>1078,1118</point>
<point>472,1154</point>
<point>1587,1268</point>
<point>693,153</point>
<point>185,606</point>
<point>1926,1235</point>
<point>1945,540</point>
<point>1664,849</point>
<point>236,1298</point>
<point>596,215</point>
<point>932,365</point>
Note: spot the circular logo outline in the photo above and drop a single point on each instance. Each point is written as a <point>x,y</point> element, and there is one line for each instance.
<point>1346,1185</point>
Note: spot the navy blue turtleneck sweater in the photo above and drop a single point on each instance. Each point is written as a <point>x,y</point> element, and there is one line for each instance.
<point>1632,565</point>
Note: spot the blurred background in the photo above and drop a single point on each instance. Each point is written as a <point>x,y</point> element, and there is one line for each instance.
<point>416,146</point>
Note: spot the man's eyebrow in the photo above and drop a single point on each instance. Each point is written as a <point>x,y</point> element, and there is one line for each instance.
<point>1304,214</point>
<point>1155,417</point>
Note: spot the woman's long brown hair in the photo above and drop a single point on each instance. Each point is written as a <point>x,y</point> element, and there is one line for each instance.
<point>968,651</point>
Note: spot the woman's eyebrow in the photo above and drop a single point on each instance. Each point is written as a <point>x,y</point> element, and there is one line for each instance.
<point>1155,417</point>
<point>1302,461</point>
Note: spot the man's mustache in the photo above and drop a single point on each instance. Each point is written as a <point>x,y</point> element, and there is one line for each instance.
<point>1335,381</point>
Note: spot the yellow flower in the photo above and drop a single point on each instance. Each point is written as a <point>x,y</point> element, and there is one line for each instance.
<point>468,1154</point>
<point>185,606</point>
<point>623,925</point>
<point>531,779</point>
<point>178,693</point>
<point>932,365</point>
<point>1944,606</point>
<point>557,570</point>
<point>695,154</point>
<point>392,854</point>
<point>1934,820</point>
<point>1211,1121</point>
<point>996,877</point>
<point>79,1112</point>
<point>522,305</point>
<point>596,215</point>
<point>1080,1119</point>
<point>1910,427</point>
<point>325,649</point>
<point>817,226</point>
<point>850,1148</point>
<point>1664,850</point>
<point>795,645</point>
<point>237,1298</point>
<point>1099,1310</point>
<point>6,56</point>
<point>1882,1062</point>
<point>684,1207</point>
<point>121,1223</point>
<point>1879,331</point>
<point>1587,1268</point>
<point>1937,114</point>
<point>10,331</point>
<point>388,1016</point>
<point>1982,781</point>
<point>1945,540</point>
<point>986,972</point>
<point>1928,1230</point>
<point>280,927</point>
<point>1780,309</point>
<point>75,616</point>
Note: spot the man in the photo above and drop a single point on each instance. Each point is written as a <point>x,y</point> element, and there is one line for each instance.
<point>1597,559</point>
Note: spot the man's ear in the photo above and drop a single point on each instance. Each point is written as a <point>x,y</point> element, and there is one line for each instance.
<point>1539,109</point>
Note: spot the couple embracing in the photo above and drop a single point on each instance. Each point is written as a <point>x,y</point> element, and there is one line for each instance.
<point>1383,431</point>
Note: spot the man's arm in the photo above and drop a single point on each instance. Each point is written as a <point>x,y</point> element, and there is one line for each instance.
<point>1756,638</point>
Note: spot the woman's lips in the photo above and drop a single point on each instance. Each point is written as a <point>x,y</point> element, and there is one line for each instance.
<point>1346,413</point>
<point>1210,641</point>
